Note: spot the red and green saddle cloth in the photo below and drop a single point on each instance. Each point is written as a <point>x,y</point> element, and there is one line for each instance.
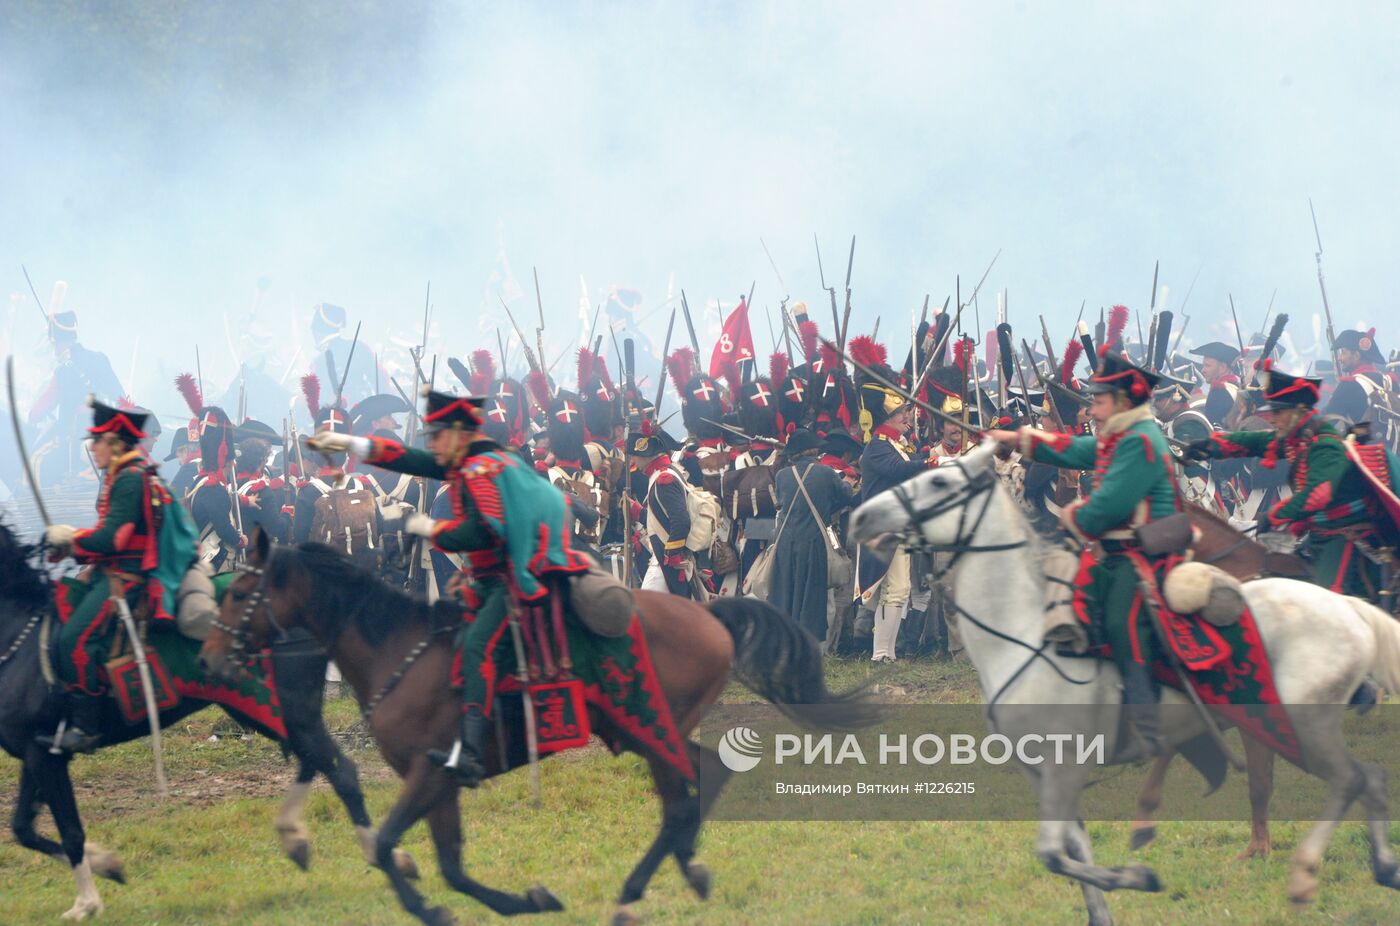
<point>1227,666</point>
<point>614,675</point>
<point>176,675</point>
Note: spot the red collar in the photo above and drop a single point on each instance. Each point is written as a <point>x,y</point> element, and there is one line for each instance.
<point>657,465</point>
<point>1229,378</point>
<point>889,433</point>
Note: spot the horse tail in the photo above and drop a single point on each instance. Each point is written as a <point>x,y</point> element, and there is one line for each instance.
<point>775,658</point>
<point>1385,664</point>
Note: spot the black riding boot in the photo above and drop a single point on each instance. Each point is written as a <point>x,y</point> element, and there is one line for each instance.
<point>1140,693</point>
<point>83,730</point>
<point>468,757</point>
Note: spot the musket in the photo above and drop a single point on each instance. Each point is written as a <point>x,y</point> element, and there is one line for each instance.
<point>830,290</point>
<point>19,441</point>
<point>530,357</point>
<point>913,400</point>
<point>730,428</point>
<point>775,271</point>
<point>1326,307</point>
<point>349,358</point>
<point>1021,378</point>
<point>1239,337</point>
<point>593,327</point>
<point>628,383</point>
<point>1050,346</point>
<point>1269,310</point>
<point>1044,385</point>
<point>1049,385</point>
<point>690,327</point>
<point>942,343</point>
<point>846,314</point>
<point>1090,350</point>
<point>199,371</point>
<point>539,332</point>
<point>661,377</point>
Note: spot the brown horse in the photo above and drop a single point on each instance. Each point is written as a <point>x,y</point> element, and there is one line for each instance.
<point>395,652</point>
<point>1219,544</point>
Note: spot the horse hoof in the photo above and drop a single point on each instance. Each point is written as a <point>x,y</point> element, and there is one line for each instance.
<point>625,917</point>
<point>1142,837</point>
<point>543,899</point>
<point>83,909</point>
<point>698,877</point>
<point>1146,877</point>
<point>405,865</point>
<point>1302,887</point>
<point>300,853</point>
<point>1254,850</point>
<point>439,916</point>
<point>105,864</point>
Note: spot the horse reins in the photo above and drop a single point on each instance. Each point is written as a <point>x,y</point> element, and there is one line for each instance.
<point>974,485</point>
<point>257,596</point>
<point>23,635</point>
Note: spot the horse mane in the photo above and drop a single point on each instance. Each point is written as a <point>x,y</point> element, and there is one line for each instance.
<point>20,580</point>
<point>344,592</point>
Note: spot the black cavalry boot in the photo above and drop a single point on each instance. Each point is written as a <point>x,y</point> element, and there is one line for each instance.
<point>83,731</point>
<point>467,758</point>
<point>1140,694</point>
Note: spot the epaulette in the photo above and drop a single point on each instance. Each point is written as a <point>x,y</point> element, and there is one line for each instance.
<point>665,477</point>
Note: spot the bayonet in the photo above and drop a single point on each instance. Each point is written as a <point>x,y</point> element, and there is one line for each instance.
<point>661,377</point>
<point>349,358</point>
<point>539,332</point>
<point>1321,284</point>
<point>690,327</point>
<point>846,314</point>
<point>530,357</point>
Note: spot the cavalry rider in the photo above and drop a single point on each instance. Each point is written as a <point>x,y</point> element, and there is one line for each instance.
<point>1359,380</point>
<point>507,520</point>
<point>1133,484</point>
<point>140,548</point>
<point>1333,498</point>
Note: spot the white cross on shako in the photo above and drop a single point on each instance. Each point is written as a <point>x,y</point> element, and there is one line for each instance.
<point>760,395</point>
<point>566,413</point>
<point>497,413</point>
<point>704,390</point>
<point>503,391</point>
<point>794,391</point>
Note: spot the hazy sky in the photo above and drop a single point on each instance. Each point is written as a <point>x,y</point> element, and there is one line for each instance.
<point>162,157</point>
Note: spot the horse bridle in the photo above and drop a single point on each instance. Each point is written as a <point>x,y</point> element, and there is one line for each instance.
<point>974,485</point>
<point>255,598</point>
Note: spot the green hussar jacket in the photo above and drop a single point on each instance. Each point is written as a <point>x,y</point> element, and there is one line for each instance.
<point>1329,492</point>
<point>506,516</point>
<point>1133,482</point>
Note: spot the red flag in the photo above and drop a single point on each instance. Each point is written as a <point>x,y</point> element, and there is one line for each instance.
<point>735,344</point>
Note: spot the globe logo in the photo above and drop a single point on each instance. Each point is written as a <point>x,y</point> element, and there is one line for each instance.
<point>740,749</point>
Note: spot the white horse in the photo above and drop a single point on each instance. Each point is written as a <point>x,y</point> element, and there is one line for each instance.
<point>1321,646</point>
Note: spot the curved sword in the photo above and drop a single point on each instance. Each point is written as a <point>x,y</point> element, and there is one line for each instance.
<point>19,440</point>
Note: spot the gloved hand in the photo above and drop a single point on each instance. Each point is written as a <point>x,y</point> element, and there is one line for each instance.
<point>419,525</point>
<point>333,442</point>
<point>1197,451</point>
<point>393,514</point>
<point>60,535</point>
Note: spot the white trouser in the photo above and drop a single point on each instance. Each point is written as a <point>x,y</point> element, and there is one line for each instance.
<point>654,580</point>
<point>887,619</point>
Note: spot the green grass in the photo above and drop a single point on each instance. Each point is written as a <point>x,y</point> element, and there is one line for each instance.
<point>209,855</point>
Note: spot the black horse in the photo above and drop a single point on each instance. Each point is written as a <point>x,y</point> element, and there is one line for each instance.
<point>28,706</point>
